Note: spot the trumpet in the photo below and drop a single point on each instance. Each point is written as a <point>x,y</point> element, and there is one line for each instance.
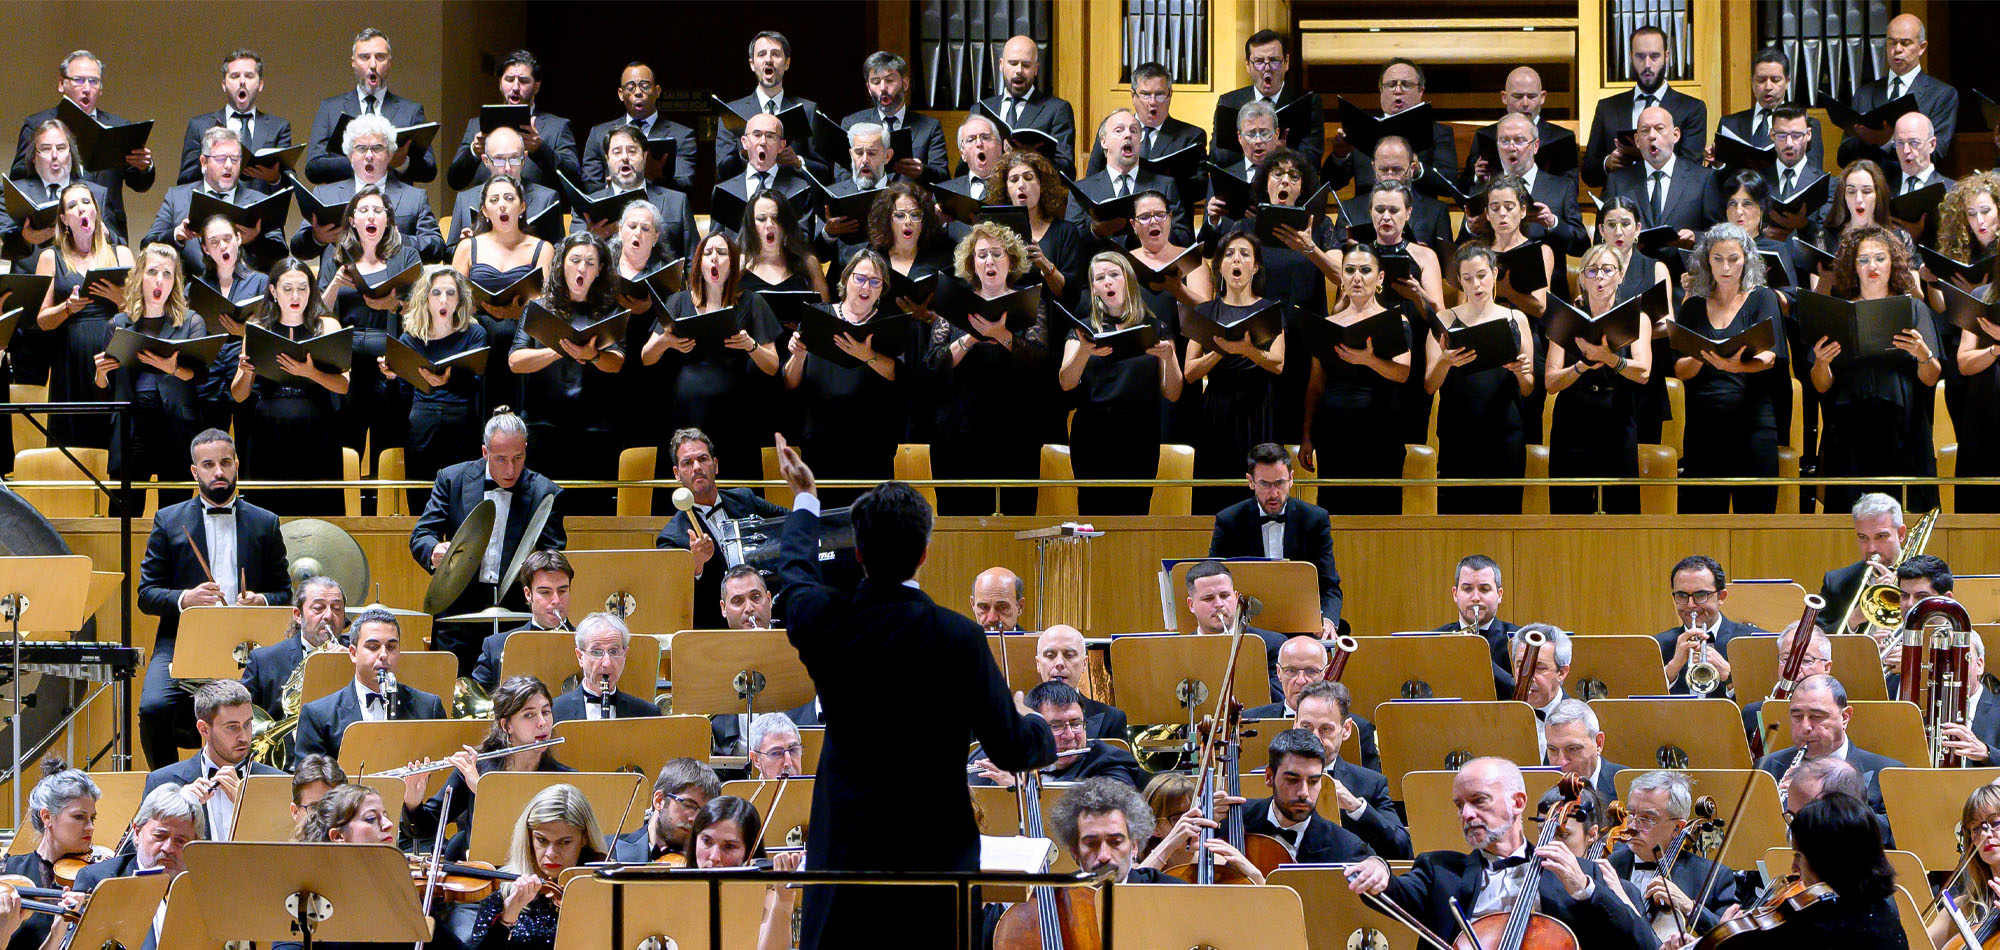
<point>1702,676</point>
<point>410,770</point>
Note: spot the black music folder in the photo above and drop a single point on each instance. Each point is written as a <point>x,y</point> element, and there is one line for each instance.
<point>126,343</point>
<point>818,324</point>
<point>1365,131</point>
<point>314,211</point>
<point>102,147</point>
<point>1965,310</point>
<point>1012,217</point>
<point>26,211</point>
<point>609,204</point>
<point>1749,342</point>
<point>24,290</point>
<point>1492,344</point>
<point>915,289</point>
<point>1382,333</point>
<point>115,276</point>
<point>1524,268</point>
<point>1234,191</point>
<point>1916,205</point>
<point>957,301</point>
<point>1734,151</point>
<point>504,116</point>
<point>1179,164</point>
<point>662,282</point>
<point>522,288</point>
<point>710,327</point>
<point>1811,195</point>
<point>1109,209</point>
<point>404,361</point>
<point>10,320</point>
<point>1863,328</point>
<point>395,282</point>
<point>1945,268</point>
<point>957,205</point>
<point>262,214</point>
<point>855,205</point>
<point>210,303</point>
<point>1024,137</point>
<point>546,328</point>
<point>1154,278</point>
<point>1614,328</point>
<point>786,305</point>
<point>1299,217</point>
<point>1124,343</point>
<point>1294,119</point>
<point>1883,116</point>
<point>1260,326</point>
<point>332,352</point>
<point>283,157</point>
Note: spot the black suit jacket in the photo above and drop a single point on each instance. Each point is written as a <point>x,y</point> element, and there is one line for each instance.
<point>325,162</point>
<point>1323,843</point>
<point>115,181</point>
<point>1869,764</point>
<point>1837,588</point>
<point>632,847</point>
<point>1986,725</point>
<point>1693,200</point>
<point>1607,779</point>
<point>1173,136</point>
<point>15,247</point>
<point>1546,131</point>
<point>1099,760</point>
<point>491,650</point>
<point>786,181</point>
<point>1364,731</point>
<point>1098,187</point>
<point>465,214</point>
<point>269,667</point>
<point>174,209</point>
<point>557,154</point>
<point>1498,635</point>
<point>1379,826</point>
<point>1599,921</point>
<point>1311,141</point>
<point>408,204</point>
<point>1744,125</point>
<point>735,503</point>
<point>1688,873</point>
<point>1049,114</point>
<point>1359,167</point>
<point>926,137</point>
<point>1308,537</point>
<point>729,158</point>
<point>118,865</point>
<point>324,720</point>
<point>1614,115</point>
<point>459,489</point>
<point>835,631</point>
<point>1937,99</point>
<point>189,769</point>
<point>1101,720</point>
<point>266,131</point>
<point>1725,631</point>
<point>680,177</point>
<point>677,227</point>
<point>169,566</point>
<point>570,705</point>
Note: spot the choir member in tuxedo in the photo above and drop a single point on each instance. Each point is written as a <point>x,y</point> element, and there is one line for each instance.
<point>555,832</point>
<point>1061,657</point>
<point>502,154</point>
<point>1268,58</point>
<point>77,318</point>
<point>683,787</point>
<point>1905,44</point>
<point>1820,718</point>
<point>1059,247</point>
<point>569,393</point>
<point>1160,134</point>
<point>523,713</point>
<point>545,582</point>
<point>1913,144</point>
<point>369,249</point>
<point>1770,91</point>
<point>1878,410</point>
<point>625,171</point>
<point>1624,112</point>
<point>1352,404</point>
<point>1429,222</point>
<point>214,776</point>
<point>1272,524</point>
<point>602,645</point>
<point>834,630</point>
<point>763,144</point>
<point>166,410</point>
<point>1325,709</point>
<point>1021,103</point>
<point>1796,137</point>
<point>168,818</point>
<point>319,614</point>
<point>1103,824</point>
<point>1700,587</point>
<point>1479,413</point>
<point>53,166</point>
<point>696,467</point>
<point>1597,392</point>
<point>443,424</point>
<point>1122,175</point>
<point>1968,230</point>
<point>1077,757</point>
<point>370,57</point>
<point>1553,215</point>
<point>377,644</point>
<point>1121,404</point>
<point>240,543</point>
<point>640,97</point>
<point>1573,742</point>
<point>1236,410</point>
<point>366,144</point>
<point>869,154</point>
<point>499,253</point>
<point>502,475</point>
<point>1660,804</point>
<point>1492,800</point>
<point>979,150</point>
<point>242,86</point>
<point>853,416</point>
<point>983,380</point>
<point>708,387</point>
<point>221,168</point>
<point>1523,95</point>
<point>888,78</point>
<point>62,809</point>
<point>548,145</point>
<point>1258,137</point>
<point>82,83</point>
<point>1401,83</point>
<point>1476,593</point>
<point>776,252</point>
<point>1671,189</point>
<point>770,58</point>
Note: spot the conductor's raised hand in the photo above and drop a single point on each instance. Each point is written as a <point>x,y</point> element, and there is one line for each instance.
<point>799,477</point>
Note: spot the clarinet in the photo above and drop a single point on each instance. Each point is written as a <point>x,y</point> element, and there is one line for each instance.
<point>387,680</point>
<point>604,696</point>
<point>1784,783</point>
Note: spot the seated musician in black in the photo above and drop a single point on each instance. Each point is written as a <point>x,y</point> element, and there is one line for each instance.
<point>1363,792</point>
<point>521,715</point>
<point>1491,799</point>
<point>1660,804</point>
<point>1215,603</point>
<point>602,644</point>
<point>319,615</point>
<point>695,466</point>
<point>1078,757</point>
<point>684,786</point>
<point>62,808</point>
<point>167,819</point>
<point>1102,822</point>
<point>556,832</point>
<point>1476,593</point>
<point>1582,832</point>
<point>545,578</point>
<point>1295,775</point>
<point>213,777</point>
<point>378,643</point>
<point>1303,662</point>
<point>1061,656</point>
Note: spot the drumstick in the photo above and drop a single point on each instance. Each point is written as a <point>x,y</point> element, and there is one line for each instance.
<point>242,584</point>
<point>198,559</point>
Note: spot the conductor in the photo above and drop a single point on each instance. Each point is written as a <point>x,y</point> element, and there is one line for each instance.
<point>914,776</point>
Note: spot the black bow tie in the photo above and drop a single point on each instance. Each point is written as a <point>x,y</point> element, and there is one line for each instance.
<point>1541,714</point>
<point>1289,835</point>
<point>1267,519</point>
<point>1645,865</point>
<point>492,485</point>
<point>1502,864</point>
<point>221,509</point>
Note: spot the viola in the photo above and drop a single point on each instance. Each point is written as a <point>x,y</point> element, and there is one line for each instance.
<point>19,884</point>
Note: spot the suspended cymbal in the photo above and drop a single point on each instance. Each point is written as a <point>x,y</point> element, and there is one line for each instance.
<point>489,615</point>
<point>315,548</point>
<point>529,539</point>
<point>461,560</point>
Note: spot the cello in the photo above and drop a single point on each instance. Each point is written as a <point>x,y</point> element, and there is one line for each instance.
<point>1521,926</point>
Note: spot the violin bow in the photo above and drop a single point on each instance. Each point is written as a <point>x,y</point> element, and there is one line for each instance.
<point>765,826</point>
<point>431,874</point>
<point>1715,865</point>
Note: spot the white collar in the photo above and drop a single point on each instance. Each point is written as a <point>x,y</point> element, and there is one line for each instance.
<point>911,584</point>
<point>1278,819</point>
<point>1551,707</point>
<point>1672,159</point>
<point>1257,95</point>
<point>383,184</point>
<point>1595,771</point>
<point>898,115</point>
<point>206,504</point>
<point>496,482</point>
<point>208,764</point>
<point>1925,174</point>
<point>1529,178</point>
<point>361,694</point>
<point>1115,174</point>
<point>1659,95</point>
<point>1798,169</point>
<point>750,174</point>
<point>1909,79</point>
<point>764,100</point>
<point>361,97</point>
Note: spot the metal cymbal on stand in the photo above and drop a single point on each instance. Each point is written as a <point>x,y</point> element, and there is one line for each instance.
<point>529,538</point>
<point>316,548</point>
<point>461,559</point>
<point>493,614</point>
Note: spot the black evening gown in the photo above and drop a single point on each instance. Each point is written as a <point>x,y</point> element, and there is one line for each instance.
<point>1653,408</point>
<point>1356,434</point>
<point>446,424</point>
<point>294,435</point>
<point>1732,418</point>
<point>985,424</point>
<point>782,407</point>
<point>218,411</point>
<point>572,414</point>
<point>712,388</point>
<point>166,411</point>
<point>1595,433</point>
<point>75,344</point>
<point>1978,427</point>
<point>1069,249</point>
<point>501,386</point>
<point>1237,412</point>
<point>851,421</point>
<point>375,415</point>
<point>1291,277</point>
<point>1116,430</point>
<point>1878,422</point>
<point>1479,436</point>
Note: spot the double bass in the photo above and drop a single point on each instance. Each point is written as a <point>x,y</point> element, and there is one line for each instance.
<point>1221,745</point>
<point>1052,918</point>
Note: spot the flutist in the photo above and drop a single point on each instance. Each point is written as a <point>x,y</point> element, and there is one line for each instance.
<point>1819,716</point>
<point>522,716</point>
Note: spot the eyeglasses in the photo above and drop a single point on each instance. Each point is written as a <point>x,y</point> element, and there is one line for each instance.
<point>1265,64</point>
<point>84,80</point>
<point>508,161</point>
<point>1912,144</point>
<point>1066,725</point>
<point>906,216</point>
<point>636,85</point>
<point>1988,828</point>
<point>1257,135</point>
<point>1301,672</point>
<point>1270,485</point>
<point>372,149</point>
<point>982,137</point>
<point>1798,136</point>
<point>225,159</point>
<point>865,281</point>
<point>1400,85</point>
<point>685,802</point>
<point>1150,216</point>
<point>789,751</point>
<point>611,654</point>
<point>1603,270</point>
<point>1699,596</point>
<point>1643,821</point>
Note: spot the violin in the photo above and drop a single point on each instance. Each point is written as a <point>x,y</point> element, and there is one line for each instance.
<point>1520,926</point>
<point>66,867</point>
<point>464,883</point>
<point>1787,899</point>
<point>20,884</point>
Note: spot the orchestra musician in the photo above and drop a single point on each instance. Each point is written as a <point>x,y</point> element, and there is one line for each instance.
<point>62,809</point>
<point>1818,660</point>
<point>1302,664</point>
<point>1325,709</point>
<point>348,814</point>
<point>377,645</point>
<point>1580,833</point>
<point>683,787</point>
<point>775,748</point>
<point>1545,687</point>
<point>696,468</point>
<point>603,643</point>
<point>1273,524</point>
<point>1819,778</point>
<point>545,580</point>
<point>1213,600</point>
<point>746,600</point>
<point>1700,587</point>
<point>997,597</point>
<point>1294,775</point>
<point>1879,531</point>
<point>166,821</point>
<point>1062,657</point>
<point>1077,756</point>
<point>214,776</point>
<point>1659,805</point>
<point>313,776</point>
<point>556,832</point>
<point>1572,741</point>
<point>521,715</point>
<point>1976,891</point>
<point>1099,821</point>
<point>1819,718</point>
<point>725,834</point>
<point>1476,593</point>
<point>319,614</point>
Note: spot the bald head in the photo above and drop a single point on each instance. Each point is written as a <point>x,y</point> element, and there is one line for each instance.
<point>763,138</point>
<point>1914,141</point>
<point>1656,135</point>
<point>1059,655</point>
<point>1020,63</point>
<point>996,600</point>
<point>1523,94</point>
<point>1301,663</point>
<point>1393,161</point>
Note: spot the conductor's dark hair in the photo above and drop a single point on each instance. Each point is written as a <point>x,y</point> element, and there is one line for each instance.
<point>211,435</point>
<point>544,561</point>
<point>1264,38</point>
<point>242,52</point>
<point>521,57</point>
<point>1837,835</point>
<point>1149,71</point>
<point>1054,693</point>
<point>726,808</point>
<point>316,769</point>
<point>892,530</point>
<point>773,36</point>
<point>1296,742</point>
<point>1772,54</point>
<point>1700,562</point>
<point>683,773</point>
<point>1927,566</point>
<point>1207,569</point>
<point>1268,453</point>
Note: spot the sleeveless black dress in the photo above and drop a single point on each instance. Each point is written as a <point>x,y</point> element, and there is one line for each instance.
<point>1479,436</point>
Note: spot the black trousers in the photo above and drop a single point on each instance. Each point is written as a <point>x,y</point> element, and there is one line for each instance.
<point>166,712</point>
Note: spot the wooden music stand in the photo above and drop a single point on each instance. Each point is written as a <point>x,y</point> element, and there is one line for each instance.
<point>343,892</point>
<point>708,664</point>
<point>415,626</point>
<point>1408,733</point>
<point>433,671</point>
<point>786,824</point>
<point>57,588</point>
<point>184,926</point>
<point>1019,662</point>
<point>1710,731</point>
<point>393,744</point>
<point>1627,664</point>
<point>999,814</point>
<point>1769,603</point>
<point>1289,591</point>
<point>813,740</point>
<point>1857,664</point>
<point>1886,727</point>
<point>103,587</point>
<point>676,911</point>
<point>1980,593</point>
<point>1909,913</point>
<point>1456,665</point>
<point>648,587</point>
<point>1434,824</point>
<point>610,795</point>
<point>1334,916</point>
<point>209,639</point>
<point>550,656</point>
<point>120,913</point>
<point>1763,822</point>
<point>119,801</point>
<point>639,745</point>
<point>1220,918</point>
<point>1924,792</point>
<point>266,810</point>
<point>1154,670</point>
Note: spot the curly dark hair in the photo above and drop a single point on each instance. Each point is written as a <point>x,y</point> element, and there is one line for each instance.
<point>1055,194</point>
<point>1242,233</point>
<point>597,298</point>
<point>881,218</point>
<point>1847,281</point>
<point>1260,187</point>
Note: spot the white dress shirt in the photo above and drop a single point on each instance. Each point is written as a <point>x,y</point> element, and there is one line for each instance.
<point>1298,828</point>
<point>1273,534</point>
<point>361,98</point>
<point>219,531</point>
<point>1499,889</point>
<point>1908,81</point>
<point>221,811</point>
<point>596,706</point>
<point>1640,105</point>
<point>370,712</point>
<point>750,184</point>
<point>1799,173</point>
<point>489,563</point>
<point>768,103</point>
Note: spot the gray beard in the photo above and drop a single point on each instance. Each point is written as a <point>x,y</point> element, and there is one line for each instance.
<point>866,183</point>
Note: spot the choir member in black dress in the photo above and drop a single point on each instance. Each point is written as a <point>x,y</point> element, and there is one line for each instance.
<point>78,318</point>
<point>904,227</point>
<point>228,272</point>
<point>1237,411</point>
<point>523,713</point>
<point>775,244</point>
<point>569,396</point>
<point>852,417</point>
<point>1479,413</point>
<point>1860,200</point>
<point>1120,403</point>
<point>292,428</point>
<point>1421,293</point>
<point>1969,229</point>
<point>1878,406</point>
<point>1508,202</point>
<point>555,832</point>
<point>62,808</point>
<point>166,410</point>
<point>444,424</point>
<point>370,248</point>
<point>496,255</point>
<point>1183,285</point>
<point>708,387</point>
<point>1296,272</point>
<point>1596,390</point>
<point>1059,247</point>
<point>636,252</point>
<point>1353,401</point>
<point>984,382</point>
<point>1747,205</point>
<point>1618,225</point>
<point>1732,415</point>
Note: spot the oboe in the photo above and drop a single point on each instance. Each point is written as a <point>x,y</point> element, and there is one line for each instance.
<point>1785,782</point>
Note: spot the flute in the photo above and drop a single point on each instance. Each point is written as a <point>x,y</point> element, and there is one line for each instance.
<point>481,757</point>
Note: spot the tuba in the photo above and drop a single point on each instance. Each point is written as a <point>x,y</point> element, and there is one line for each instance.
<point>271,739</point>
<point>1881,601</point>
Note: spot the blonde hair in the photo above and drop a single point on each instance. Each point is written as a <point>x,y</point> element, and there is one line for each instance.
<point>417,312</point>
<point>1017,252</point>
<point>135,299</point>
<point>563,803</point>
<point>1135,306</point>
<point>1597,252</point>
<point>1954,238</point>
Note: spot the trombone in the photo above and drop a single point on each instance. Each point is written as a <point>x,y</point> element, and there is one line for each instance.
<point>441,766</point>
<point>1877,596</point>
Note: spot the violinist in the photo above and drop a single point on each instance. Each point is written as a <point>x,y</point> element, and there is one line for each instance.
<point>521,715</point>
<point>1572,741</point>
<point>1324,709</point>
<point>1077,756</point>
<point>347,814</point>
<point>1295,774</point>
<point>727,833</point>
<point>168,818</point>
<point>312,778</point>
<point>1659,806</point>
<point>63,810</point>
<point>555,832</point>
<point>1977,889</point>
<point>1586,832</point>
<point>1491,798</point>
<point>1167,795</point>
<point>684,786</point>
